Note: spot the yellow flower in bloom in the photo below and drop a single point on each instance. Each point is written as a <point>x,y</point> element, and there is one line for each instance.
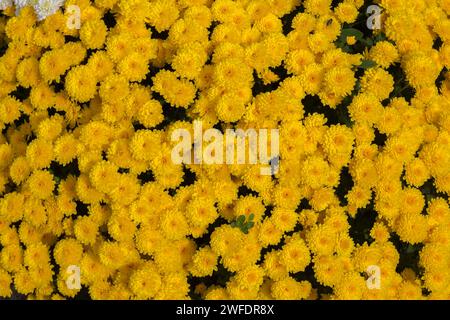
<point>225,240</point>
<point>229,108</point>
<point>216,294</point>
<point>269,234</point>
<point>163,14</point>
<point>420,70</point>
<point>41,184</point>
<point>351,287</point>
<point>379,82</point>
<point>150,114</point>
<point>148,239</point>
<point>346,11</point>
<point>29,234</point>
<point>145,282</point>
<point>113,89</point>
<point>80,84</point>
<point>68,252</point>
<point>251,277</point>
<point>90,117</point>
<point>174,286</point>
<point>201,213</point>
<point>340,81</point>
<point>174,225</point>
<point>179,93</point>
<point>204,262</point>
<point>144,144</point>
<point>36,255</point>
<point>365,108</point>
<point>28,73</point>
<point>19,170</point>
<point>113,255</point>
<point>351,40</point>
<point>66,149</point>
<point>416,172</point>
<point>5,284</point>
<point>283,219</point>
<point>384,54</point>
<point>380,232</point>
<point>93,34</point>
<point>189,61</point>
<point>295,255</point>
<point>133,67</point>
<point>10,110</point>
<point>12,258</point>
<point>51,66</point>
<point>86,230</point>
<point>411,227</point>
<point>289,289</point>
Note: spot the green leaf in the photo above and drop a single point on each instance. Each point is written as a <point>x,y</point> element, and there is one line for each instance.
<point>351,32</point>
<point>380,37</point>
<point>410,249</point>
<point>367,64</point>
<point>242,225</point>
<point>368,42</point>
<point>357,86</point>
<point>57,180</point>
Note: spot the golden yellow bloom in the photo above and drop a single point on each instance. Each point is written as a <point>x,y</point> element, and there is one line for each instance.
<point>41,184</point>
<point>68,252</point>
<point>289,289</point>
<point>19,170</point>
<point>93,34</point>
<point>10,110</point>
<point>360,174</point>
<point>204,262</point>
<point>80,84</point>
<point>295,255</point>
<point>133,67</point>
<point>5,284</point>
<point>379,82</point>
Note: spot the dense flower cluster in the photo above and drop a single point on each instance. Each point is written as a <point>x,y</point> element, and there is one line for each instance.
<point>43,8</point>
<point>86,176</point>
